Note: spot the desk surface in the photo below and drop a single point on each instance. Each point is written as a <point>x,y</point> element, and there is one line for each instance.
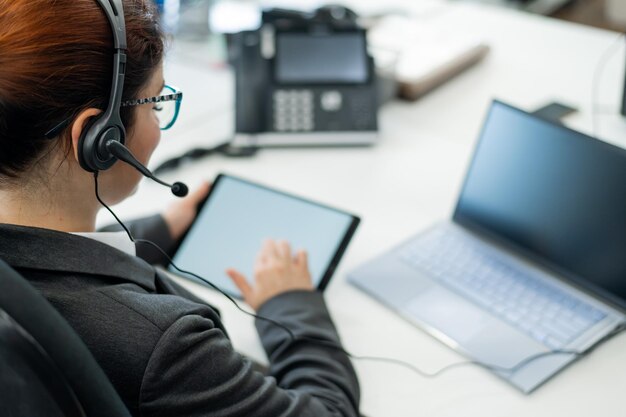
<point>407,182</point>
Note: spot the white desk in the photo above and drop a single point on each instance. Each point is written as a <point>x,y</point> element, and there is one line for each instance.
<point>404,184</point>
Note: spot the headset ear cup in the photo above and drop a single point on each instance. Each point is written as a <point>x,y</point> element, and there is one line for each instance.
<point>92,152</point>
<point>86,146</point>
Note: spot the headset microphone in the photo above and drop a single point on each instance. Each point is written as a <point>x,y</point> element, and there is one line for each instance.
<point>122,153</point>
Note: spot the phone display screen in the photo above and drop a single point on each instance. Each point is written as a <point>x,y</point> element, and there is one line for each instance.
<point>333,58</point>
<point>239,215</point>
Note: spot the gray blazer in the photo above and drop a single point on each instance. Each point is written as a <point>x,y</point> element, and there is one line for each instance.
<point>165,351</point>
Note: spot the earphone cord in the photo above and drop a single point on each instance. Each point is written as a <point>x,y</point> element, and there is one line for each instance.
<point>332,345</point>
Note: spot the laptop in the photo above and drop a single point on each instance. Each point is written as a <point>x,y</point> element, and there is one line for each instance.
<point>533,260</point>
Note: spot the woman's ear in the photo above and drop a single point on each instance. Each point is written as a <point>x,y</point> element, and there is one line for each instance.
<point>79,124</point>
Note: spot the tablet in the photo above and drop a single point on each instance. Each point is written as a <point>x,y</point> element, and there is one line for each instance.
<point>238,215</point>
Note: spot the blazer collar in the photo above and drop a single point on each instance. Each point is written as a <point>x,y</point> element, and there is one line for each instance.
<point>49,250</point>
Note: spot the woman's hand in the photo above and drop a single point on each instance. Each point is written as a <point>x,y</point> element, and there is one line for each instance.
<point>276,271</point>
<point>179,215</point>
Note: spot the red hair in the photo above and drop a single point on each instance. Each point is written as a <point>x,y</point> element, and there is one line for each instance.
<point>55,61</point>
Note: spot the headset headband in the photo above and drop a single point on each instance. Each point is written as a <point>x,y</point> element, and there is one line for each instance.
<point>114,12</point>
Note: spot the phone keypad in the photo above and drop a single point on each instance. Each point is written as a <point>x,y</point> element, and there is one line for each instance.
<point>294,110</point>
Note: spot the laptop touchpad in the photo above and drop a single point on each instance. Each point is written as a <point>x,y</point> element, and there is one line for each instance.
<point>448,313</point>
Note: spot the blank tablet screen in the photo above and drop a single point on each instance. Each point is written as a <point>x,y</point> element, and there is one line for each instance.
<point>239,215</point>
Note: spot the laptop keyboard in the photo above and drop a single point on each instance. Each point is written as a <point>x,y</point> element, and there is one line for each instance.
<point>544,312</point>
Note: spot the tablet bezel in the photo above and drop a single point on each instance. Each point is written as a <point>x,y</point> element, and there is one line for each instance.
<point>337,256</point>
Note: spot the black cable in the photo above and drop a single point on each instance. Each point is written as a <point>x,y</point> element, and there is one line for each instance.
<point>158,248</point>
<point>330,344</point>
<point>333,345</point>
<point>226,149</point>
<point>95,177</point>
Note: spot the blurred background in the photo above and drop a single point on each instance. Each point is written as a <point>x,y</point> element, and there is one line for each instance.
<point>606,14</point>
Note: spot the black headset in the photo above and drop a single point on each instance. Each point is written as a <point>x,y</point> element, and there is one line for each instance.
<point>93,153</point>
<point>101,142</point>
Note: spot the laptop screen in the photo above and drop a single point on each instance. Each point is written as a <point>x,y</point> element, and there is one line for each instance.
<point>555,193</point>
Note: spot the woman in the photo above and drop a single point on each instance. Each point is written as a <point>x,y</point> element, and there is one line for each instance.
<point>165,351</point>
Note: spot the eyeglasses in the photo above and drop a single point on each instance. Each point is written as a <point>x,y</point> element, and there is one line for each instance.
<point>166,105</point>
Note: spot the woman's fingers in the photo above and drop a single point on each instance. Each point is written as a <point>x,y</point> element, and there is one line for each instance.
<point>284,250</point>
<point>241,282</point>
<point>302,259</point>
